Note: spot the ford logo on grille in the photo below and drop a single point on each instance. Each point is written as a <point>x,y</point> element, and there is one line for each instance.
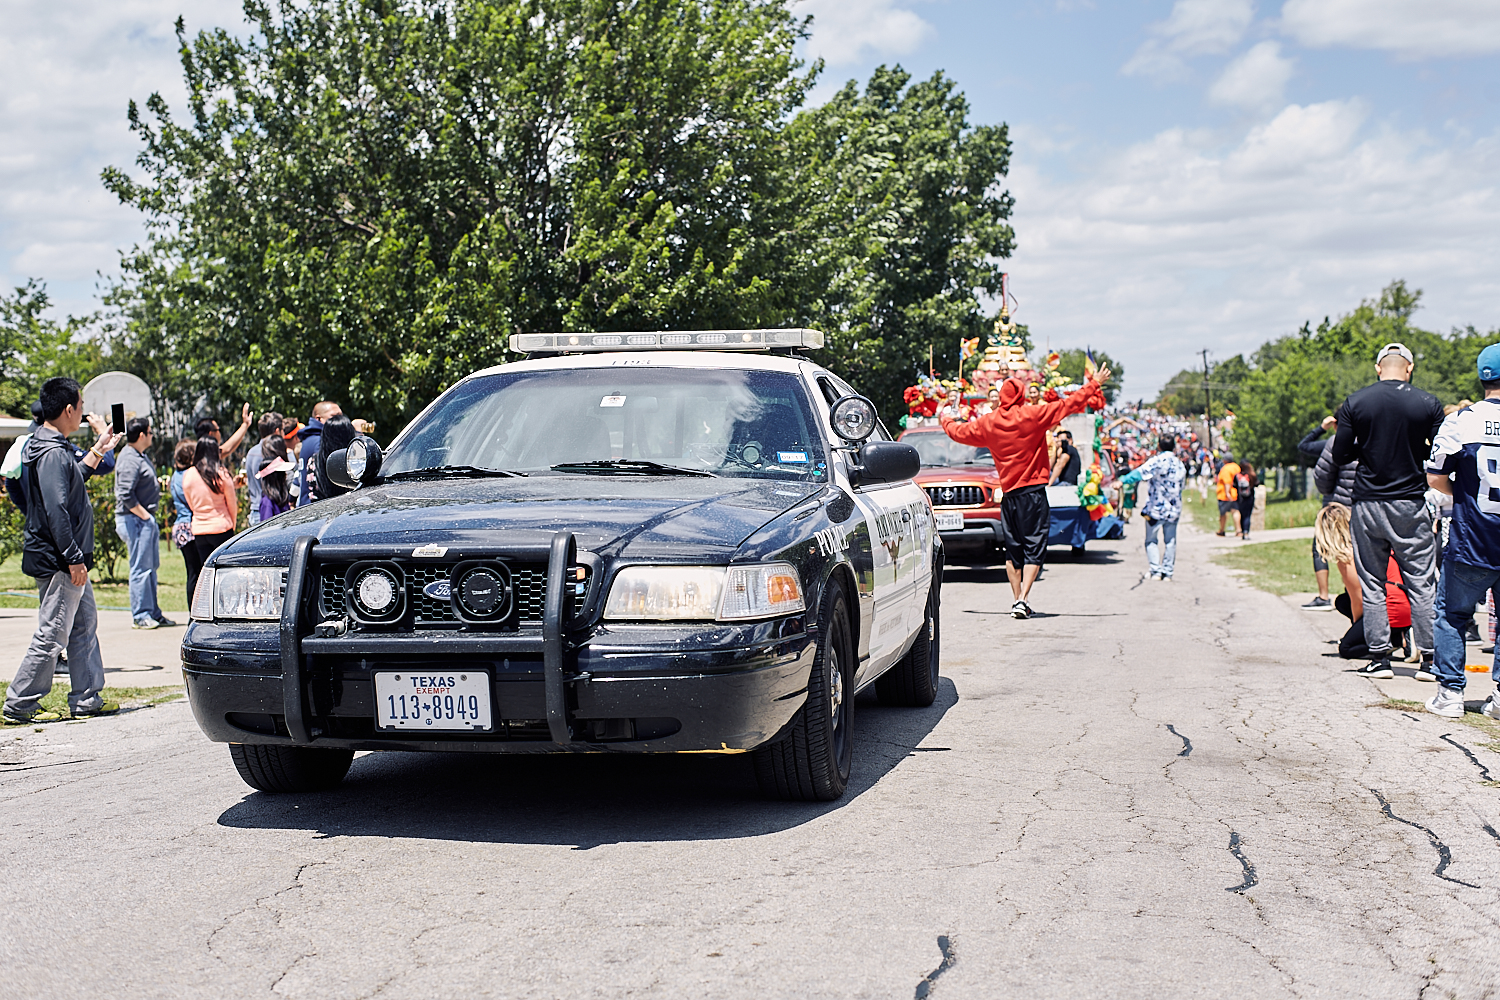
<point>439,590</point>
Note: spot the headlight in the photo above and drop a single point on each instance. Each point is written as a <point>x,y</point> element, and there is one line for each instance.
<point>704,593</point>
<point>243,592</point>
<point>762,591</point>
<point>666,592</point>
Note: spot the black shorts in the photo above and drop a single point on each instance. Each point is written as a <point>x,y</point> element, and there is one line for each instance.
<point>1026,517</point>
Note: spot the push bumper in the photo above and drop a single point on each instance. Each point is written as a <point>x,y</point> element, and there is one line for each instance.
<point>640,688</point>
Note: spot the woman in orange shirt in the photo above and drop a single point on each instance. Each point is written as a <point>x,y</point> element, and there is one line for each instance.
<point>210,495</point>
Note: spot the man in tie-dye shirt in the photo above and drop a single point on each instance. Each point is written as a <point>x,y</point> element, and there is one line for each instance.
<point>1164,475</point>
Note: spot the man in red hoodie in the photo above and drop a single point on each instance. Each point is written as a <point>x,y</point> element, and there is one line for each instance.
<point>1016,435</point>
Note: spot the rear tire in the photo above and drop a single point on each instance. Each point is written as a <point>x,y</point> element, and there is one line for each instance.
<point>913,681</point>
<point>811,763</point>
<point>290,769</point>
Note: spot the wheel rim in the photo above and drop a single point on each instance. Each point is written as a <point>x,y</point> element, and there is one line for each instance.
<point>838,708</point>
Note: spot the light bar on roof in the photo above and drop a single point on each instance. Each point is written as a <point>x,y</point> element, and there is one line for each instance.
<point>667,340</point>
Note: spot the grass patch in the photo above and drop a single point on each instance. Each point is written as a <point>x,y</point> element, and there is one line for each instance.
<point>1283,567</point>
<point>1280,511</point>
<point>1205,513</point>
<point>1284,513</point>
<point>171,588</point>
<point>56,700</point>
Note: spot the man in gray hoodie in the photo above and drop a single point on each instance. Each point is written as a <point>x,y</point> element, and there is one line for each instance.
<point>57,550</point>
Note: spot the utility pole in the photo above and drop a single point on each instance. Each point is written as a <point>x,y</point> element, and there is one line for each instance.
<point>1208,404</point>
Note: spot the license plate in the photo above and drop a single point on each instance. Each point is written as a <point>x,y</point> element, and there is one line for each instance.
<point>949,521</point>
<point>433,701</point>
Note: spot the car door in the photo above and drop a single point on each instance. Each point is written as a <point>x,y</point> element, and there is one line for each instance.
<point>900,530</point>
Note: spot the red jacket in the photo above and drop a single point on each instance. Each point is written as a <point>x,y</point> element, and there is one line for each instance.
<point>1016,432</point>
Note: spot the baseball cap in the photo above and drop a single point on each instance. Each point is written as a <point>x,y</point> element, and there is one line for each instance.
<point>1489,363</point>
<point>1394,348</point>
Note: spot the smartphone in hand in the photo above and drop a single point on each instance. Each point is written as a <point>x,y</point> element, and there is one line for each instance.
<point>117,418</point>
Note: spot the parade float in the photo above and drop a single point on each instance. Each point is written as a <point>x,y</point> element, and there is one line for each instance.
<point>1079,513</point>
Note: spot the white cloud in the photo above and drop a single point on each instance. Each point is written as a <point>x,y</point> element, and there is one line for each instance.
<point>1193,28</point>
<point>68,68</point>
<point>1410,28</point>
<point>1177,243</point>
<point>1256,80</point>
<point>848,31</point>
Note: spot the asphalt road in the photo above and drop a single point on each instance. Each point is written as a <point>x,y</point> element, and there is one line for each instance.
<point>1151,790</point>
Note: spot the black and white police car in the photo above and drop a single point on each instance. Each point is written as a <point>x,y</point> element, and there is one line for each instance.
<point>632,542</point>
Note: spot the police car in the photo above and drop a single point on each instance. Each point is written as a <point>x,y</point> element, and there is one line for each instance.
<point>633,542</point>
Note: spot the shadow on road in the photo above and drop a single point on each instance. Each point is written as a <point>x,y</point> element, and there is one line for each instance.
<point>584,800</point>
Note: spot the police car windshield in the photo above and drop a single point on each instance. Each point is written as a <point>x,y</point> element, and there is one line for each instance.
<point>722,421</point>
<point>938,450</point>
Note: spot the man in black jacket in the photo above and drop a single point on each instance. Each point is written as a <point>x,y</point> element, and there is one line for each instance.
<point>1389,427</point>
<point>58,549</point>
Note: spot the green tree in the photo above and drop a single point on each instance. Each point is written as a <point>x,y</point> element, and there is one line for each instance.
<point>898,201</point>
<point>367,198</point>
<point>34,348</point>
<point>1184,393</point>
<point>1279,405</point>
<point>1071,363</point>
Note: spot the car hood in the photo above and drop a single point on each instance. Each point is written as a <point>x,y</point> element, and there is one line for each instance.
<point>643,517</point>
<point>977,473</point>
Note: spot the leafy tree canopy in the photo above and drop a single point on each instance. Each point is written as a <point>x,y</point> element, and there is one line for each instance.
<point>367,197</point>
<point>1071,363</point>
<point>1296,380</point>
<point>34,348</point>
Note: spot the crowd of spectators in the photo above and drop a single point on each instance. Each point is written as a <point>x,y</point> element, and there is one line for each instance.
<point>45,475</point>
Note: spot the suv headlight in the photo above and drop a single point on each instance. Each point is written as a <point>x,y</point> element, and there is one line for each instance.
<point>252,593</point>
<point>704,593</point>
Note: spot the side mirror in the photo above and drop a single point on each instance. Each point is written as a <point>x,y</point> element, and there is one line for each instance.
<point>887,462</point>
<point>357,465</point>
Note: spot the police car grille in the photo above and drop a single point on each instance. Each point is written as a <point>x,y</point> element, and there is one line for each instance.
<point>956,496</point>
<point>528,583</point>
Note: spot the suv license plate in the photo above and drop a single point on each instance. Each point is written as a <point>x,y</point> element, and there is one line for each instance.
<point>433,701</point>
<point>949,520</point>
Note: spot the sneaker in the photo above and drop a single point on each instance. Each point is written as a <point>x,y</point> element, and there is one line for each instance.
<point>146,623</point>
<point>24,719</point>
<point>1491,708</point>
<point>1378,668</point>
<point>1488,647</point>
<point>167,623</point>
<point>1471,634</point>
<point>1424,669</point>
<point>1020,609</point>
<point>105,708</point>
<point>1318,604</point>
<point>1447,703</point>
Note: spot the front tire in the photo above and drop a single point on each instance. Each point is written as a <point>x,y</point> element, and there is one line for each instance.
<point>913,681</point>
<point>811,763</point>
<point>290,769</point>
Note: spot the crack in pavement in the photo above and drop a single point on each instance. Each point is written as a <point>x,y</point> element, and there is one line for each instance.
<point>1445,856</point>
<point>1412,717</point>
<point>1187,744</point>
<point>1251,878</point>
<point>1484,772</point>
<point>950,956</point>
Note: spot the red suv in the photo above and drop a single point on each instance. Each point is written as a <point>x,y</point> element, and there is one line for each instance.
<point>964,488</point>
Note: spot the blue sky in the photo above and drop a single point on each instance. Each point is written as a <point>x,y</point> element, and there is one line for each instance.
<point>1188,174</point>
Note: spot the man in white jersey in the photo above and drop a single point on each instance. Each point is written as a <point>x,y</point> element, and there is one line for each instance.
<point>1467,449</point>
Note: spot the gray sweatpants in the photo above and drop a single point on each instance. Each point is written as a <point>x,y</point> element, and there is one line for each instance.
<point>1381,529</point>
<point>66,618</point>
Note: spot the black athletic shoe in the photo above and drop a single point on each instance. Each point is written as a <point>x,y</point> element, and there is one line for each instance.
<point>1424,669</point>
<point>1380,669</point>
<point>1020,609</point>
